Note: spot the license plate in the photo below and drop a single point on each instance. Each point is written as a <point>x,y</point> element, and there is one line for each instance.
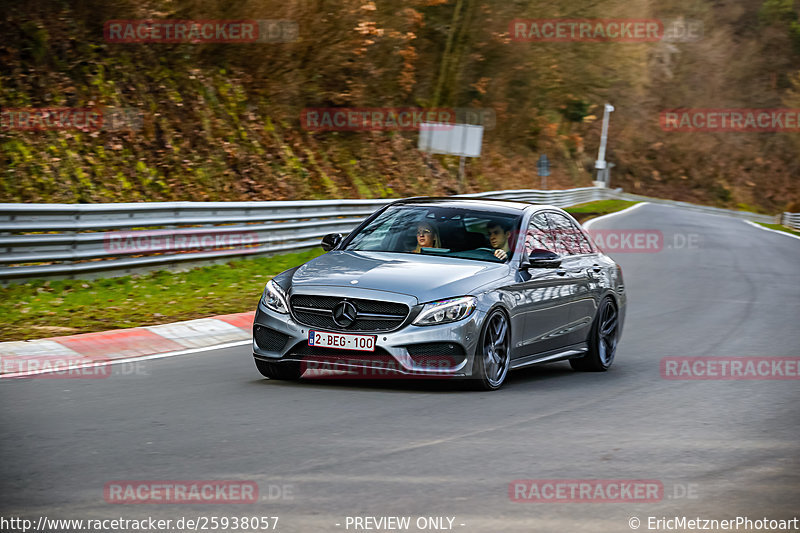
<point>342,341</point>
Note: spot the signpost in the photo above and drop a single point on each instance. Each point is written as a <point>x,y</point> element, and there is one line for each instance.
<point>543,168</point>
<point>600,164</point>
<point>463,140</point>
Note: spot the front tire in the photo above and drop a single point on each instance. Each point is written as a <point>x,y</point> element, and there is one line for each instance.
<point>602,340</point>
<point>288,371</point>
<point>494,356</point>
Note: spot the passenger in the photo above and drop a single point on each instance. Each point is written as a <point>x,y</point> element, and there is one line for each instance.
<point>427,237</point>
<point>498,238</point>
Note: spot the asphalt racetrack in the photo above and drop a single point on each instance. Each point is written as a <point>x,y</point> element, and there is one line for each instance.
<point>323,451</point>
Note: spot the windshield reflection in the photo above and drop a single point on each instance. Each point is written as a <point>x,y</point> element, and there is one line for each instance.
<point>439,231</point>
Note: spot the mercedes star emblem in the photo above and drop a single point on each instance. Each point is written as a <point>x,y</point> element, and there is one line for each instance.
<point>344,314</point>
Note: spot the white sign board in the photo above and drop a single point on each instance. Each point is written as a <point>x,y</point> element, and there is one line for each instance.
<point>454,139</point>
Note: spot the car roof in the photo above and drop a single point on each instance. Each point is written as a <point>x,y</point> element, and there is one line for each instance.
<point>481,204</point>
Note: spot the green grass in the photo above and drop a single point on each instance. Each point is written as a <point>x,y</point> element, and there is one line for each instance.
<point>780,227</point>
<point>583,212</point>
<point>53,308</point>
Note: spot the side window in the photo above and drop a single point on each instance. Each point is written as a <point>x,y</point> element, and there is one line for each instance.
<point>583,242</point>
<point>538,235</point>
<point>579,243</point>
<point>566,236</point>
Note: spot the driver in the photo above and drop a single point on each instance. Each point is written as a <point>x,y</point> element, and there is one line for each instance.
<point>427,237</point>
<point>499,234</point>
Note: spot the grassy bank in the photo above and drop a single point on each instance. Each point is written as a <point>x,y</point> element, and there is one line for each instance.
<point>54,308</point>
<point>583,212</point>
<point>780,227</point>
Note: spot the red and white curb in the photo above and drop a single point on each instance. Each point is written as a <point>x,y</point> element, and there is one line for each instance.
<point>23,358</point>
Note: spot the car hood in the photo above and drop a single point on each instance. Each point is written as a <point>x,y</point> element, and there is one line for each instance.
<point>426,278</point>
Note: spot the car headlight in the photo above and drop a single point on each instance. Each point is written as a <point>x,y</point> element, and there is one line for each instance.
<point>445,311</point>
<point>274,298</point>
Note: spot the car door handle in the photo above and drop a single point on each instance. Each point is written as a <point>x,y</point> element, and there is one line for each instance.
<point>596,268</point>
<point>561,271</point>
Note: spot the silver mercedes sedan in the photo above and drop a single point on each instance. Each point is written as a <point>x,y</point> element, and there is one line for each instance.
<point>444,288</point>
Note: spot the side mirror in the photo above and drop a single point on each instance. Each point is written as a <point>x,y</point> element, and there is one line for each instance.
<point>538,258</point>
<point>331,241</point>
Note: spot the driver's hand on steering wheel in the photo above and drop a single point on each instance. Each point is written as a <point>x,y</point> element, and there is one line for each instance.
<point>500,254</point>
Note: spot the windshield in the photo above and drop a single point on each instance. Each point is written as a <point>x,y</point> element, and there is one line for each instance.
<point>442,231</point>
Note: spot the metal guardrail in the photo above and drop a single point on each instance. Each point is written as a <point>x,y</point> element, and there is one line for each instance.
<point>791,220</point>
<point>89,240</point>
<point>66,240</point>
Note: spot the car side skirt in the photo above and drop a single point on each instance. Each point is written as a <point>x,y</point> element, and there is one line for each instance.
<point>561,354</point>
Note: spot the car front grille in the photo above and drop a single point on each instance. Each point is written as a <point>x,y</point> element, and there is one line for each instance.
<point>268,339</point>
<point>371,315</point>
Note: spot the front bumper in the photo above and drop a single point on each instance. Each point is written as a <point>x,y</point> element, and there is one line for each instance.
<point>446,350</point>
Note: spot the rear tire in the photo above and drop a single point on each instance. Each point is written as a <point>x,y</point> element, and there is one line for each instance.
<point>288,371</point>
<point>602,340</point>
